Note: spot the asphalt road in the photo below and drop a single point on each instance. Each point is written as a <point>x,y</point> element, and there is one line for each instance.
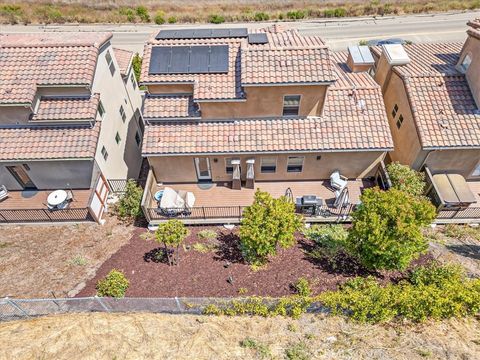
<point>338,33</point>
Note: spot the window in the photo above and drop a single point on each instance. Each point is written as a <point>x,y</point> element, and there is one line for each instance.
<point>467,60</point>
<point>132,79</point>
<point>100,109</point>
<point>295,164</point>
<point>122,113</point>
<point>291,105</point>
<point>138,139</point>
<point>476,172</point>
<point>110,63</point>
<point>394,111</point>
<point>104,153</point>
<point>399,121</point>
<point>373,70</point>
<point>229,165</point>
<point>268,165</point>
<point>118,138</point>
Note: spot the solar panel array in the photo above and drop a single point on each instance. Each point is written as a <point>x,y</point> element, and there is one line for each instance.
<point>202,59</point>
<point>258,38</point>
<point>202,33</point>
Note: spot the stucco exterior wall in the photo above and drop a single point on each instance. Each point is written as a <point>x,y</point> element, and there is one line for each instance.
<point>350,164</point>
<point>124,159</point>
<point>13,115</point>
<point>454,161</point>
<point>51,175</point>
<point>267,101</point>
<point>472,48</point>
<point>407,148</point>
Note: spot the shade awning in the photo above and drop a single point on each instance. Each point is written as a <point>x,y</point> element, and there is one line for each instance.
<point>453,189</point>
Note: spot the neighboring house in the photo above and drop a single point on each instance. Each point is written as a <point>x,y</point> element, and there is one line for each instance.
<point>228,111</point>
<point>432,98</point>
<point>69,120</point>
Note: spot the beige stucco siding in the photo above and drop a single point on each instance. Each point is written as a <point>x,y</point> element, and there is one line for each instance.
<point>350,164</point>
<point>472,48</point>
<point>51,175</point>
<point>267,101</point>
<point>124,159</point>
<point>455,161</point>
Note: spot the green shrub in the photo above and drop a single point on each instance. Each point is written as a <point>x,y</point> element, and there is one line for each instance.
<point>51,14</point>
<point>296,14</point>
<point>339,12</point>
<point>172,19</point>
<point>330,239</point>
<point>142,13</point>
<point>267,224</point>
<point>137,66</point>
<point>159,18</point>
<point>129,205</point>
<point>128,13</point>
<point>406,179</point>
<point>114,285</point>
<point>207,234</point>
<point>387,227</point>
<point>262,350</point>
<point>302,287</point>
<point>13,12</point>
<point>261,16</point>
<point>298,351</point>
<point>432,292</point>
<point>216,19</point>
<point>171,234</point>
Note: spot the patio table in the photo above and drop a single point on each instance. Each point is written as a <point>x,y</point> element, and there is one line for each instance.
<point>57,198</point>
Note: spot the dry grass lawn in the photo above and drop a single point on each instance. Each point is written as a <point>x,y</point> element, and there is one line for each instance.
<point>42,260</point>
<point>158,336</point>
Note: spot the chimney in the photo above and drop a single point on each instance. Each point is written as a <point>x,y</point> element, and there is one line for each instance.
<point>359,58</point>
<point>469,60</point>
<point>392,55</point>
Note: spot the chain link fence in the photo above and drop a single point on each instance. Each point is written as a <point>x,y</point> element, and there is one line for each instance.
<point>18,309</point>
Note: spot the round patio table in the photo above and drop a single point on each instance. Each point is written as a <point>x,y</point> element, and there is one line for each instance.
<point>57,198</point>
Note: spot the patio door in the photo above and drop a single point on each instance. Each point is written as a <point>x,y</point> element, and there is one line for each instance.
<point>202,165</point>
<point>19,173</point>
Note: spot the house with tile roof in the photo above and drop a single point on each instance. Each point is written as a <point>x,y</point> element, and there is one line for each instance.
<point>70,120</point>
<point>228,111</point>
<point>432,98</point>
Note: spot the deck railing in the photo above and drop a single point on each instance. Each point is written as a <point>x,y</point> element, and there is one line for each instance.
<point>44,215</point>
<point>459,214</point>
<point>233,212</point>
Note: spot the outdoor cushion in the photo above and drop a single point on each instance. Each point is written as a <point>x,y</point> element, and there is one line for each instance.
<point>171,199</point>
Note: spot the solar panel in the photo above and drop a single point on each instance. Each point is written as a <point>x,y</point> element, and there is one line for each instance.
<point>260,38</point>
<point>189,59</point>
<point>202,33</point>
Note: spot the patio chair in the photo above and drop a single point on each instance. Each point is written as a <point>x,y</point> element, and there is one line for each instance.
<point>337,181</point>
<point>3,192</point>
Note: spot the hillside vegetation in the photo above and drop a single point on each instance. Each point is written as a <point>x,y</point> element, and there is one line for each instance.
<point>213,11</point>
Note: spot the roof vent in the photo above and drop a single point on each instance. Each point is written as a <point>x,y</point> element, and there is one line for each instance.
<point>362,105</point>
<point>395,54</point>
<point>359,58</point>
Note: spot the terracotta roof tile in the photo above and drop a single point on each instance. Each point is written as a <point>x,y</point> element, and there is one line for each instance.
<point>169,106</point>
<point>62,108</point>
<point>286,65</point>
<point>30,60</point>
<point>48,142</point>
<point>124,59</point>
<point>440,98</point>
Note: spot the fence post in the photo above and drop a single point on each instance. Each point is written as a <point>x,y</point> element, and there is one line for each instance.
<point>102,304</point>
<point>14,305</point>
<point>3,217</point>
<point>239,213</point>
<point>204,216</point>
<point>46,213</point>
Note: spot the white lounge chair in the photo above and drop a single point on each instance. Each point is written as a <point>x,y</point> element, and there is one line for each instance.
<point>337,181</point>
<point>3,192</point>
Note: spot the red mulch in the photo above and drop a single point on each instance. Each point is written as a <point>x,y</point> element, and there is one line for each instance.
<point>206,274</point>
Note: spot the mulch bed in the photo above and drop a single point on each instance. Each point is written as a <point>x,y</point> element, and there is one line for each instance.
<point>208,274</point>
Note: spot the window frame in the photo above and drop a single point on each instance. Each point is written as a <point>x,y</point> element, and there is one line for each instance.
<point>138,139</point>
<point>295,168</point>
<point>463,65</point>
<point>290,107</point>
<point>118,139</point>
<point>227,167</point>
<point>400,121</point>
<point>104,153</point>
<point>101,110</point>
<point>122,113</point>
<point>134,82</point>
<point>269,168</point>
<point>395,111</point>
<point>110,63</point>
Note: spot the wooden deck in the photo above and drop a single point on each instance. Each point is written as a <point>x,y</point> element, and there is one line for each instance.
<point>37,199</point>
<point>218,194</point>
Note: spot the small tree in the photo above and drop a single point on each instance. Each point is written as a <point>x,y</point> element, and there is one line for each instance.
<point>387,227</point>
<point>171,234</point>
<point>129,205</point>
<point>406,179</point>
<point>137,66</point>
<point>266,224</point>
